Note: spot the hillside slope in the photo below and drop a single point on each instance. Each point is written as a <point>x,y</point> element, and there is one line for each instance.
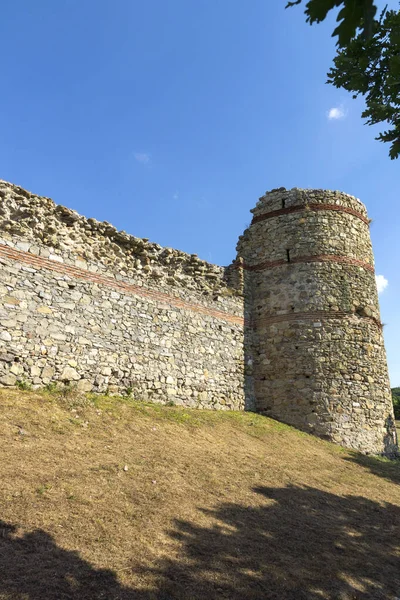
<point>120,500</point>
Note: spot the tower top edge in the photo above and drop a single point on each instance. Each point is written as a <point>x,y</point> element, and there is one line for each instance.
<point>272,200</point>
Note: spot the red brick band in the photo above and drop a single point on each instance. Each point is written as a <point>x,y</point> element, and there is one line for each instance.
<point>306,259</point>
<point>312,316</point>
<point>314,207</point>
<point>39,262</point>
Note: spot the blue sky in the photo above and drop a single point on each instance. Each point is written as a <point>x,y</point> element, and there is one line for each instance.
<point>170,119</point>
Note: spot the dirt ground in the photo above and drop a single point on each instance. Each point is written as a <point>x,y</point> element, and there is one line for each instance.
<point>117,500</point>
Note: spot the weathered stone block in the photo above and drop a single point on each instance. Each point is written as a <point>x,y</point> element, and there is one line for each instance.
<point>8,380</point>
<point>69,374</point>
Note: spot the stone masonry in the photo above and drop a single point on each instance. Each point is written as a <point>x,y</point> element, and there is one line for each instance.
<point>319,356</point>
<point>290,329</point>
<point>83,303</point>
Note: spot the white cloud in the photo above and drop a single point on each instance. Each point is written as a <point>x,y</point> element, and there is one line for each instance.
<point>142,157</point>
<point>337,112</point>
<point>381,283</point>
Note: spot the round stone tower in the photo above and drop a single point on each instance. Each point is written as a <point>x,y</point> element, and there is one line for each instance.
<point>319,360</point>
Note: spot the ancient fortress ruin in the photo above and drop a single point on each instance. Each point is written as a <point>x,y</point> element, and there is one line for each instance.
<point>290,329</point>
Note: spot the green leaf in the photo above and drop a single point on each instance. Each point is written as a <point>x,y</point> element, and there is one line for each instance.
<point>371,68</point>
<point>354,15</point>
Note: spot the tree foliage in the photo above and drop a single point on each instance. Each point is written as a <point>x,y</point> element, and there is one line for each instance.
<point>371,67</point>
<point>353,16</point>
<point>368,60</point>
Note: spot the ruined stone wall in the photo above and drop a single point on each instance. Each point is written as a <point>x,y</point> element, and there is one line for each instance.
<point>83,303</point>
<point>291,329</point>
<point>319,356</point>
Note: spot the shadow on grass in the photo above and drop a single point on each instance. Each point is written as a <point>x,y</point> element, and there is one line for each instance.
<point>383,467</point>
<point>297,544</point>
<point>33,567</point>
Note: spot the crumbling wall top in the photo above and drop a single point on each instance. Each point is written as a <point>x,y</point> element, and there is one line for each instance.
<point>89,243</point>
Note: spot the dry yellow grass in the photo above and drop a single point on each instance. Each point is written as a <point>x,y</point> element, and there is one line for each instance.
<point>122,500</point>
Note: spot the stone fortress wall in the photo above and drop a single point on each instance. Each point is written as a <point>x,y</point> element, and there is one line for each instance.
<point>319,355</point>
<point>290,329</point>
<point>83,303</point>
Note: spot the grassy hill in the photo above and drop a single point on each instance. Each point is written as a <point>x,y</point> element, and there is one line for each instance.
<point>118,500</point>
